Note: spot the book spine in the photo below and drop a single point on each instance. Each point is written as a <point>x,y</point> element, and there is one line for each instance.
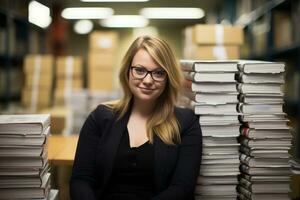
<point>246,184</point>
<point>189,75</point>
<point>245,150</point>
<point>245,131</point>
<point>244,168</point>
<point>187,84</point>
<point>245,159</point>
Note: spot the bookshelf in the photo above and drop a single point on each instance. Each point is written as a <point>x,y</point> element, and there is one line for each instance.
<point>272,33</point>
<point>18,37</point>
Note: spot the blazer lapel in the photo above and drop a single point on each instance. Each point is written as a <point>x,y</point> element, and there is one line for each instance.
<point>112,142</point>
<point>160,162</point>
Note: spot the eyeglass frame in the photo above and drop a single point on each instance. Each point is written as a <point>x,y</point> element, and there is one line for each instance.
<point>147,72</point>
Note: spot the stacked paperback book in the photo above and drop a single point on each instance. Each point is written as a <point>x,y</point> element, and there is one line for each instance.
<point>24,168</point>
<point>211,90</point>
<point>265,136</point>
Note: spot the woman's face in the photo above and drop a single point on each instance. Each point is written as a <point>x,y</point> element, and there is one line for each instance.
<point>146,89</point>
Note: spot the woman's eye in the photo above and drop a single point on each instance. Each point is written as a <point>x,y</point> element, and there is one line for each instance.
<point>140,70</point>
<point>159,73</point>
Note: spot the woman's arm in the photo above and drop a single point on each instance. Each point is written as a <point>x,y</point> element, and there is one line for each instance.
<point>188,164</point>
<point>82,183</point>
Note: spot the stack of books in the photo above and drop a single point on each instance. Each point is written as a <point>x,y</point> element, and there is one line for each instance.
<point>24,168</point>
<point>265,136</point>
<point>211,91</point>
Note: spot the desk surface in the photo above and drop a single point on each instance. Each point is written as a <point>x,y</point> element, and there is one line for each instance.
<point>61,149</point>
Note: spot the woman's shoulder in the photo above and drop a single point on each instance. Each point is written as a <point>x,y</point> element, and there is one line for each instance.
<point>103,111</point>
<point>185,116</point>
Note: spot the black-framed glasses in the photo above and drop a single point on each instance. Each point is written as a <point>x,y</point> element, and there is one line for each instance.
<point>158,75</point>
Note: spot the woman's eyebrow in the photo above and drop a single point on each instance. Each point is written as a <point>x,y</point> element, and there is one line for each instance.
<point>156,69</point>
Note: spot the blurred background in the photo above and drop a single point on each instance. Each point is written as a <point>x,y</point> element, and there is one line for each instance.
<point>62,56</point>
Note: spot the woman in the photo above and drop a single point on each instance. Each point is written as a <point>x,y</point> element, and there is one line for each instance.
<point>142,146</point>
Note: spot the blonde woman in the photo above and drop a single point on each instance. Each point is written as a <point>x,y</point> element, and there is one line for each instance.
<point>141,147</point>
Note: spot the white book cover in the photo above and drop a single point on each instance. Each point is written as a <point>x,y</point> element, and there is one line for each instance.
<point>24,124</point>
<point>209,66</point>
<point>214,87</point>
<point>256,66</point>
<point>210,77</point>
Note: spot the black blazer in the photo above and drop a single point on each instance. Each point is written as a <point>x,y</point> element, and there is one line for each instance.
<point>176,167</point>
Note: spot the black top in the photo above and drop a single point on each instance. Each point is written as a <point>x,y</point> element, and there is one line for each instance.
<point>176,167</point>
<point>132,174</point>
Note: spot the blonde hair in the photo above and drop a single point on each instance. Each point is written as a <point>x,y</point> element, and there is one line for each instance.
<point>163,122</point>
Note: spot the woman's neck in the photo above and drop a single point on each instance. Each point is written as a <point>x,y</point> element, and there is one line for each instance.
<point>143,108</point>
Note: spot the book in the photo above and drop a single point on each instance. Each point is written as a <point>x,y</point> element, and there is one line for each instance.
<point>227,130</point>
<point>260,88</point>
<point>26,193</point>
<point>221,109</point>
<point>24,171</point>
<point>218,119</point>
<point>23,140</point>
<point>262,117</point>
<point>212,98</point>
<point>264,162</point>
<point>260,108</point>
<point>216,190</point>
<point>253,133</point>
<point>210,77</point>
<point>246,194</point>
<point>265,142</point>
<point>264,152</point>
<point>216,141</point>
<point>270,124</point>
<point>21,161</point>
<point>265,187</point>
<point>265,170</point>
<point>23,182</point>
<point>210,87</point>
<point>252,66</point>
<point>220,150</point>
<point>260,78</point>
<point>261,98</point>
<point>258,179</point>
<point>208,66</point>
<point>24,124</point>
<point>25,151</point>
<point>213,180</point>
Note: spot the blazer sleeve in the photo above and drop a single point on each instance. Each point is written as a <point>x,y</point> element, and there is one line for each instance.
<point>183,182</point>
<point>82,183</point>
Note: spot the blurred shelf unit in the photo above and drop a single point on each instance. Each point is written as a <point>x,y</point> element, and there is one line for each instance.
<point>272,32</point>
<point>18,37</point>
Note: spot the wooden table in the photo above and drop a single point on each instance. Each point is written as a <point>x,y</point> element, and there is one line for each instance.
<point>61,149</point>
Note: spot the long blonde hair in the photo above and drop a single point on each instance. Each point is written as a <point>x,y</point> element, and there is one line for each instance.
<point>163,122</point>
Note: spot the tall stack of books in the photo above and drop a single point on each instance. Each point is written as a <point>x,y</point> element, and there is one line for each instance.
<point>211,87</point>
<point>265,136</point>
<point>24,168</point>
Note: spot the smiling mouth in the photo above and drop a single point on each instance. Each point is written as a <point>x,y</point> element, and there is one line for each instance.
<point>146,89</point>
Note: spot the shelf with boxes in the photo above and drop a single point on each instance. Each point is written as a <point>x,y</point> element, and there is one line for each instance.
<point>17,38</point>
<point>272,33</point>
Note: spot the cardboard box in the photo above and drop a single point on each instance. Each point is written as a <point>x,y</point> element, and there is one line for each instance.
<point>103,40</point>
<point>101,60</point>
<point>218,34</point>
<point>73,83</point>
<point>43,80</point>
<point>100,80</point>
<point>42,63</point>
<point>43,99</point>
<point>208,52</point>
<point>69,64</point>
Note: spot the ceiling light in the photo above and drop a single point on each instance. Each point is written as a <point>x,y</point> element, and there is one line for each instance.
<point>86,13</point>
<point>172,13</point>
<point>124,21</point>
<point>114,0</point>
<point>83,26</point>
<point>39,14</point>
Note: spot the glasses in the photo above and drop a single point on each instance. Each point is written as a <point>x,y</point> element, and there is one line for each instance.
<point>140,73</point>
